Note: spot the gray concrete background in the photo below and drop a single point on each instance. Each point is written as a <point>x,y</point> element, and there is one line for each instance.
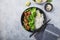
<point>10,15</point>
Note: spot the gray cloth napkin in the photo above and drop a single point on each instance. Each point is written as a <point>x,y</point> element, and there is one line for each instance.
<point>50,33</point>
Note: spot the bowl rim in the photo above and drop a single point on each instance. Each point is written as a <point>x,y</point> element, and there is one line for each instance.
<point>40,2</point>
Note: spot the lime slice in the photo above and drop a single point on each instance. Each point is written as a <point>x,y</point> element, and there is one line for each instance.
<point>28,3</point>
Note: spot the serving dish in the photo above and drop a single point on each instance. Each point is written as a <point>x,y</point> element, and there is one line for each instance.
<point>22,17</point>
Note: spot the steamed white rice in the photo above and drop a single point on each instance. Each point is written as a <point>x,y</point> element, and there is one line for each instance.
<point>39,19</point>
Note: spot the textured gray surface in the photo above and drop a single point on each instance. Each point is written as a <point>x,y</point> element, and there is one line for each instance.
<point>10,14</point>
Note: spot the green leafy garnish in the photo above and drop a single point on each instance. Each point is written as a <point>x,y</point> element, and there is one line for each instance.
<point>31,18</point>
<point>49,0</point>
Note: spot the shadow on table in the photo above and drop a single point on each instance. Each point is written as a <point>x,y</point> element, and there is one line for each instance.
<point>44,35</point>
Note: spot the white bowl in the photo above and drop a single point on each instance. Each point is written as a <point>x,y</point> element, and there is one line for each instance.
<point>42,1</point>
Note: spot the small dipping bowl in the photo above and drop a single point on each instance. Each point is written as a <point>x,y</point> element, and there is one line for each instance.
<point>48,7</point>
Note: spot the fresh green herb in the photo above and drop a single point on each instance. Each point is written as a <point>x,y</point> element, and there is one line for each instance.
<point>49,0</point>
<point>31,18</point>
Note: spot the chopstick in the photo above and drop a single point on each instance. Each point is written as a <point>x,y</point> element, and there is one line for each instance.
<point>40,29</point>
